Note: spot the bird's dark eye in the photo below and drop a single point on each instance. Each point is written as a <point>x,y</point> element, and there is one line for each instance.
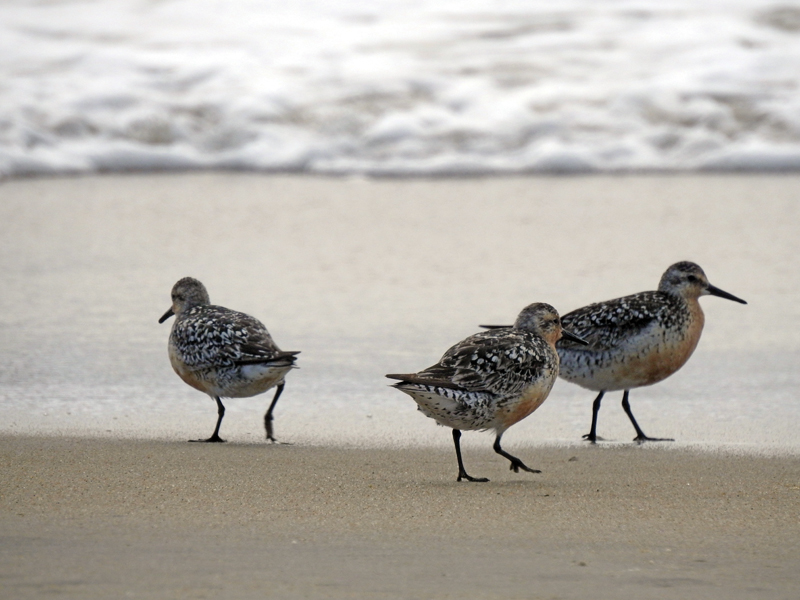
<point>691,279</point>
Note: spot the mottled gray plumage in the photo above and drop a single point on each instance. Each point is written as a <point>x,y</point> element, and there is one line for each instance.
<point>637,340</point>
<point>216,342</point>
<point>483,374</point>
<point>222,352</point>
<point>607,325</point>
<point>491,380</point>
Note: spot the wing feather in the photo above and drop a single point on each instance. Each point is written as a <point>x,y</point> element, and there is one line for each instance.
<point>496,361</point>
<point>606,325</point>
<point>213,336</point>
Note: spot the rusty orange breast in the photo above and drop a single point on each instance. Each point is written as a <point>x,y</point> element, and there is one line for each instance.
<point>668,355</point>
<point>531,399</point>
<point>188,376</point>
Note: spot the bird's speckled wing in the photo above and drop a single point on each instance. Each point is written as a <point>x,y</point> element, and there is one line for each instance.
<point>605,325</point>
<point>212,336</point>
<point>498,361</point>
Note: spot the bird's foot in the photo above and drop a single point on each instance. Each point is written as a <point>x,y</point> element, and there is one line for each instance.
<point>274,441</point>
<point>517,464</point>
<point>463,475</point>
<point>213,438</point>
<point>641,439</point>
<point>268,428</point>
<point>593,439</point>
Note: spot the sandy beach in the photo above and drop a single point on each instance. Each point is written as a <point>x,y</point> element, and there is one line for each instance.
<point>101,496</point>
<point>88,518</point>
<point>374,181</point>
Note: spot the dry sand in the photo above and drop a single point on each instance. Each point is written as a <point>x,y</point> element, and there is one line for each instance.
<point>90,518</point>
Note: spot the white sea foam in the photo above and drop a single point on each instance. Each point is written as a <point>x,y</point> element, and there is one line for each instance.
<point>399,87</point>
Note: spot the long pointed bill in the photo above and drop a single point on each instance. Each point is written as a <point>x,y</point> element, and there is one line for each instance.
<point>166,316</point>
<point>573,338</point>
<point>715,291</point>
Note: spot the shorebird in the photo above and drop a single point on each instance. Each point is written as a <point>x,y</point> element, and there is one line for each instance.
<point>637,340</point>
<point>491,380</point>
<point>224,353</point>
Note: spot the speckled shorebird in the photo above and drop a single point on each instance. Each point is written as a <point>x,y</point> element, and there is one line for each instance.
<point>637,340</point>
<point>224,353</point>
<point>491,380</point>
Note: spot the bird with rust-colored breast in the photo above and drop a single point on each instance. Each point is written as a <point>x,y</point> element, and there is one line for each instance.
<point>491,380</point>
<point>637,340</point>
<point>222,352</point>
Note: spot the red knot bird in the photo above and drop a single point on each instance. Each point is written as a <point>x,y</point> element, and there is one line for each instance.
<point>637,340</point>
<point>492,379</point>
<point>224,353</point>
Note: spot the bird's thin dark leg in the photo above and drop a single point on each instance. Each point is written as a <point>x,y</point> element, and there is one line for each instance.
<point>592,435</point>
<point>268,415</point>
<point>516,464</point>
<point>462,474</point>
<point>640,436</point>
<point>221,413</point>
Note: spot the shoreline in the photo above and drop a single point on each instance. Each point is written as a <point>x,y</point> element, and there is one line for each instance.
<point>473,440</point>
<point>410,178</point>
<point>332,522</point>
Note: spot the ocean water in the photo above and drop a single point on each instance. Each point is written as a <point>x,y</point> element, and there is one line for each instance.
<point>404,87</point>
<point>368,276</point>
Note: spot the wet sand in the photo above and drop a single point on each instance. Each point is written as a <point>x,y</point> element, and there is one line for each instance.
<point>374,276</point>
<point>90,518</point>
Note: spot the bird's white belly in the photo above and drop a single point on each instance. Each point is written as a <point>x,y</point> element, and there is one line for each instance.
<point>231,382</point>
<point>453,413</point>
<point>250,380</point>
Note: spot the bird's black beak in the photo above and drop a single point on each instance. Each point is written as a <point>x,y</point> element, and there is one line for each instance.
<point>715,291</point>
<point>573,338</point>
<point>166,316</point>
